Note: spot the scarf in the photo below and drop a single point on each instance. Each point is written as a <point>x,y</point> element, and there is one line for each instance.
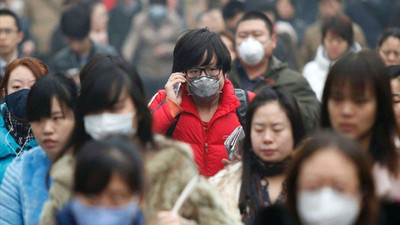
<point>19,130</point>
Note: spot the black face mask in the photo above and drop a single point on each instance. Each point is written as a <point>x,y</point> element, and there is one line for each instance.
<point>16,103</point>
<point>204,89</point>
<point>269,169</point>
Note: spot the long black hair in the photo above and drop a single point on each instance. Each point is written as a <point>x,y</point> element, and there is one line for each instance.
<point>248,202</point>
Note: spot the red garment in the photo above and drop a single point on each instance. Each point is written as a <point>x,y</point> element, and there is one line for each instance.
<point>207,143</point>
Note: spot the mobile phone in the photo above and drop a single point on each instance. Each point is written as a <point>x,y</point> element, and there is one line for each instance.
<point>177,87</point>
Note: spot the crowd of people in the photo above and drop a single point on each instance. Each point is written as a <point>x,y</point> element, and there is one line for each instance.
<point>180,112</point>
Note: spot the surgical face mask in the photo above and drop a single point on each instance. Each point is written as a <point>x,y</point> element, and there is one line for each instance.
<point>251,51</point>
<point>16,103</point>
<point>88,215</point>
<point>327,206</point>
<point>157,12</point>
<point>103,125</point>
<point>204,89</point>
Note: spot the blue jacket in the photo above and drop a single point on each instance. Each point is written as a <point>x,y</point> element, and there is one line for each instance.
<point>24,189</point>
<point>7,154</point>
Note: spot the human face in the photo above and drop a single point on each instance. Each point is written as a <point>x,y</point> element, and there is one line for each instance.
<point>116,194</point>
<point>213,63</point>
<point>352,114</point>
<point>329,8</point>
<point>335,46</point>
<point>99,17</point>
<point>395,86</point>
<point>54,133</point>
<point>285,9</point>
<point>20,78</point>
<point>390,51</point>
<point>256,29</point>
<point>329,168</point>
<point>271,133</point>
<point>10,37</point>
<point>79,47</point>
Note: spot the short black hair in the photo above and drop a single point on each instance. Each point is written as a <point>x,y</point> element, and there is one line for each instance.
<point>75,22</point>
<point>42,92</point>
<point>388,32</point>
<point>97,161</point>
<point>257,15</point>
<point>394,71</point>
<point>7,12</point>
<point>233,8</point>
<point>339,25</point>
<point>196,44</point>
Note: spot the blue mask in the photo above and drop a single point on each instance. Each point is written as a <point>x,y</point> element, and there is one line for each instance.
<point>88,215</point>
<point>16,103</point>
<point>157,12</point>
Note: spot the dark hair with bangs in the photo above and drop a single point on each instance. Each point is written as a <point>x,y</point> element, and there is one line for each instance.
<point>97,161</point>
<point>103,79</point>
<point>196,44</point>
<point>257,15</point>
<point>7,12</point>
<point>394,71</point>
<point>352,151</point>
<point>339,25</point>
<point>388,32</point>
<point>361,69</point>
<point>247,198</point>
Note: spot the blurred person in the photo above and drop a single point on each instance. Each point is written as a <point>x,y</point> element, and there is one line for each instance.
<point>202,112</point>
<point>287,12</point>
<point>51,111</point>
<point>112,102</point>
<point>394,75</point>
<point>15,132</point>
<point>211,19</point>
<point>312,34</point>
<point>329,181</point>
<point>232,12</point>
<point>108,184</point>
<point>10,36</point>
<point>372,16</point>
<point>75,25</point>
<point>256,67</point>
<point>229,41</point>
<point>337,40</point>
<point>388,46</point>
<point>120,22</point>
<point>274,129</point>
<point>99,22</point>
<point>357,103</point>
<point>150,43</point>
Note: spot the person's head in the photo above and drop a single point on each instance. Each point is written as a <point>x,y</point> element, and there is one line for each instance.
<point>112,99</point>
<point>98,16</point>
<point>269,9</point>
<point>157,10</point>
<point>286,9</point>
<point>389,46</point>
<point>18,79</point>
<point>394,75</point>
<point>51,110</point>
<point>356,102</point>
<point>255,39</point>
<point>337,35</point>
<point>108,181</point>
<point>212,20</point>
<point>75,25</point>
<point>232,13</point>
<point>329,8</point>
<point>229,41</point>
<point>330,180</point>
<point>10,34</point>
<point>273,129</point>
<point>205,60</point>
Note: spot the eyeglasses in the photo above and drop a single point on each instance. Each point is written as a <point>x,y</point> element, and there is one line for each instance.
<point>7,31</point>
<point>212,71</point>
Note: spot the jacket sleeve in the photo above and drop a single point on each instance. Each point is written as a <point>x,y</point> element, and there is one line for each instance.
<point>10,197</point>
<point>162,116</point>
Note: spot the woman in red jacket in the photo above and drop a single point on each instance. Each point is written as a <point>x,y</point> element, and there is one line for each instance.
<point>198,105</point>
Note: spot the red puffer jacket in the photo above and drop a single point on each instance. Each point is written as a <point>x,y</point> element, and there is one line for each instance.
<point>206,139</point>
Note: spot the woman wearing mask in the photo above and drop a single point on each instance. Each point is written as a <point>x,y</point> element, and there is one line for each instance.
<point>198,105</point>
<point>108,183</point>
<point>329,182</point>
<point>112,102</point>
<point>51,112</point>
<point>274,130</point>
<point>337,40</point>
<point>15,132</point>
<point>356,102</point>
<point>388,46</point>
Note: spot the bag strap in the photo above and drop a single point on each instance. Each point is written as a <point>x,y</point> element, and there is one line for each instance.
<point>171,129</point>
<point>185,193</point>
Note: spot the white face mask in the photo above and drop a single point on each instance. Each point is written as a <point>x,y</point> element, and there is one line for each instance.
<point>251,51</point>
<point>327,206</point>
<point>100,126</point>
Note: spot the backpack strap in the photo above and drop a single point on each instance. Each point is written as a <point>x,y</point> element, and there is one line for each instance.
<point>171,129</point>
<point>243,98</point>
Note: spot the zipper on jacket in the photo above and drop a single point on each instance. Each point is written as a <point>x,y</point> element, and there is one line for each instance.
<point>205,158</point>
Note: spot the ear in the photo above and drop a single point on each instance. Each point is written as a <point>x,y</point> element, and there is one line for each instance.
<point>20,36</point>
<point>273,39</point>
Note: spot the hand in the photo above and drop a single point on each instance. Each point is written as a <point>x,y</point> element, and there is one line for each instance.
<point>173,80</point>
<point>28,48</point>
<point>237,159</point>
<point>168,218</point>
